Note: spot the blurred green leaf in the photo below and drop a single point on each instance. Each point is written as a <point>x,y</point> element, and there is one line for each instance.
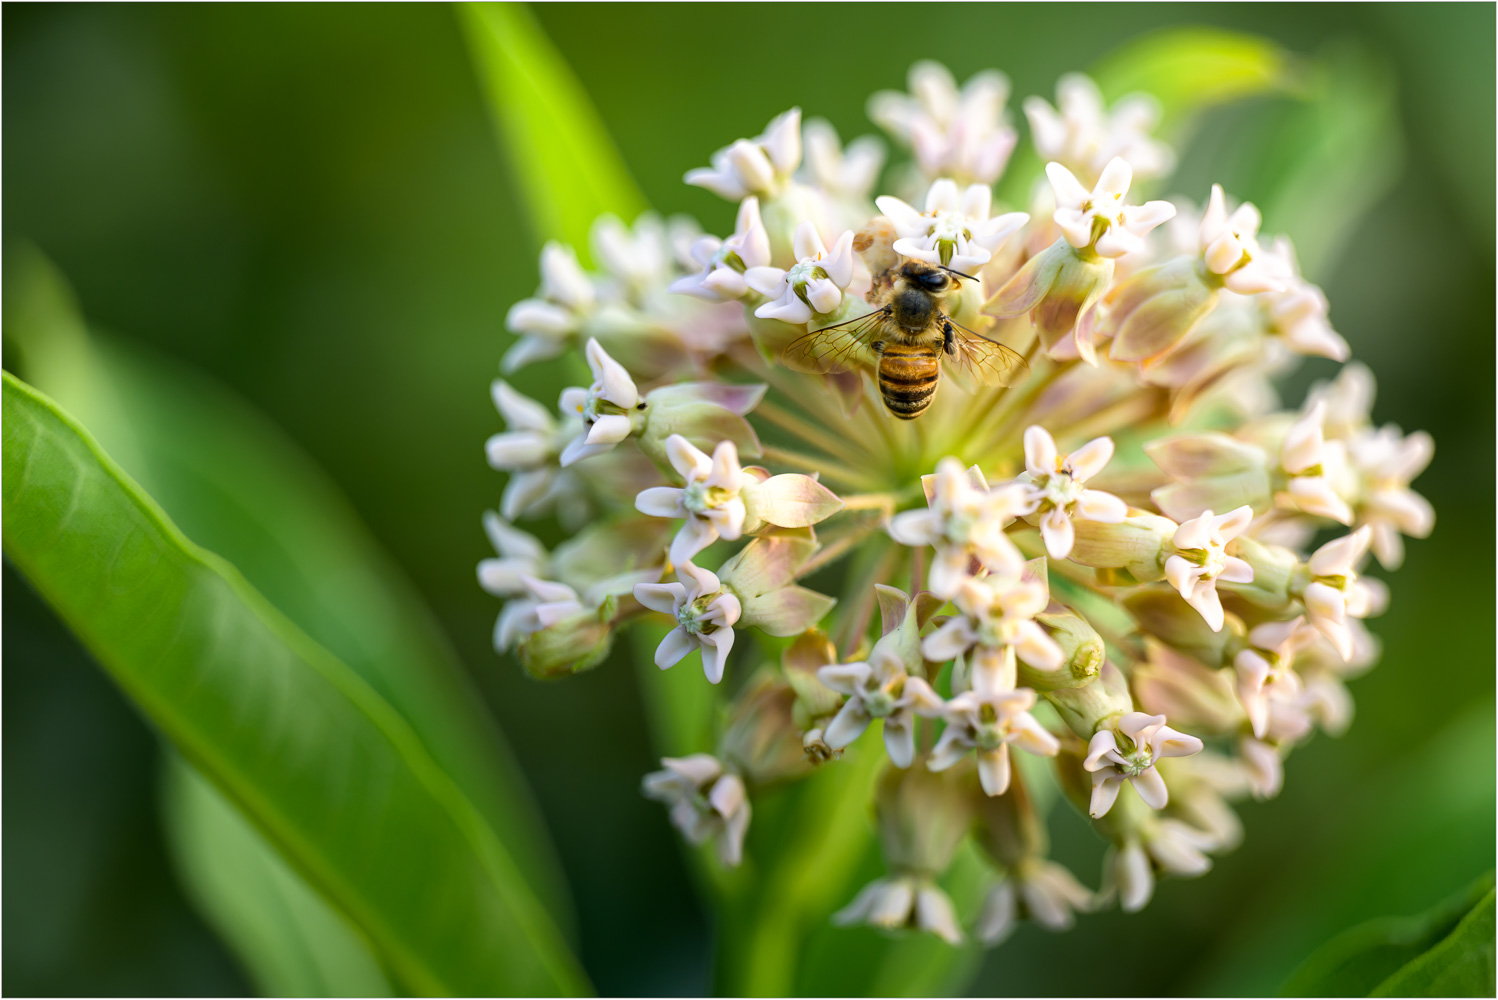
<point>1355,962</point>
<point>287,936</point>
<point>325,767</point>
<point>236,483</point>
<point>569,171</point>
<point>1460,966</point>
<point>1189,71</point>
<point>1192,69</point>
<point>1335,159</point>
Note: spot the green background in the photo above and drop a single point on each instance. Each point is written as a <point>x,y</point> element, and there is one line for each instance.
<point>308,204</point>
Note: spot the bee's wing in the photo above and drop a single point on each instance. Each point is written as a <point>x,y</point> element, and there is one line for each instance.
<point>836,348</point>
<point>990,362</point>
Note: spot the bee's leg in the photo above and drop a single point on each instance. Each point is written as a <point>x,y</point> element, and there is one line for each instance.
<point>948,338</point>
<point>877,346</point>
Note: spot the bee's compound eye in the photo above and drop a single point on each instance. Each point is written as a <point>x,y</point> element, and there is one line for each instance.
<point>934,281</point>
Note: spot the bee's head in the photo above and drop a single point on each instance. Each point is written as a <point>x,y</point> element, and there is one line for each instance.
<point>928,278</point>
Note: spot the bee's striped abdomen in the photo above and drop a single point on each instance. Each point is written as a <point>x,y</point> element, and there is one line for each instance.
<point>908,375</point>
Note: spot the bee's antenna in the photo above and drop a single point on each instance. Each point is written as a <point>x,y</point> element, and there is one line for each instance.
<point>959,274</point>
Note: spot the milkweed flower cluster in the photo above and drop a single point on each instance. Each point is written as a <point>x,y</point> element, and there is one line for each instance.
<point>1130,572</point>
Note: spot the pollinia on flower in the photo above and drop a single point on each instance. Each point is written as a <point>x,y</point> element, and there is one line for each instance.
<point>1108,563</point>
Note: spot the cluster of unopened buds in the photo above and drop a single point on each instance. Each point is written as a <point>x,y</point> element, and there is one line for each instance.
<point>1128,573</point>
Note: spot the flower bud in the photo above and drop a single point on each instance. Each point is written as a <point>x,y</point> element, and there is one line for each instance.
<point>791,500</point>
<point>761,576</point>
<point>1160,612</point>
<point>761,741</point>
<point>1008,827</point>
<point>577,643</point>
<point>1089,708</point>
<point>1274,571</point>
<point>702,413</point>
<point>1190,694</point>
<point>1211,472</point>
<point>1138,545</point>
<point>922,816</point>
<point>1058,288</point>
<point>1081,648</point>
<point>1153,311</point>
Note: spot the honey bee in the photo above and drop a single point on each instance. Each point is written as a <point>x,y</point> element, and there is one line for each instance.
<point>906,336</point>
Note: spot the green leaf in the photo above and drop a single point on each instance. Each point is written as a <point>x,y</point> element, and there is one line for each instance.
<point>237,484</point>
<point>1192,69</point>
<point>286,935</point>
<point>324,766</point>
<point>569,171</point>
<point>1335,159</point>
<point>1357,961</point>
<point>1460,966</point>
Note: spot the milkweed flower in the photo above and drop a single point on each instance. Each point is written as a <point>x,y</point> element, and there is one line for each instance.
<point>1040,565</point>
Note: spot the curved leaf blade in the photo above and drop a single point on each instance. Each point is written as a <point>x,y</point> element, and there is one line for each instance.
<point>235,483</point>
<point>291,941</point>
<point>568,168</point>
<point>327,769</point>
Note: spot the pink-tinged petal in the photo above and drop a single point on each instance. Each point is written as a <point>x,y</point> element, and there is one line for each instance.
<point>687,459</point>
<point>662,597</point>
<point>715,650</point>
<point>1105,788</point>
<point>848,725</point>
<point>806,243</point>
<point>1195,533</point>
<point>1208,605</point>
<point>1117,241</point>
<point>1088,460</point>
<point>533,316</point>
<point>993,769</point>
<point>524,490</point>
<point>728,795</point>
<point>999,915</point>
<point>1235,570</point>
<point>724,611</point>
<point>1214,219</point>
<point>609,429</point>
<point>1103,508</point>
<point>839,263</point>
<point>1252,278</point>
<point>694,535</point>
<point>1114,181</point>
<point>1151,788</point>
<point>699,768</point>
<point>725,470</point>
<point>698,581</point>
<point>550,614</point>
<point>1265,770</point>
<point>661,501</point>
<point>934,913</point>
<point>1031,737</point>
<point>899,742</point>
<point>951,748</point>
<point>521,413</point>
<point>1069,191</point>
<point>572,400</point>
<point>1231,524</point>
<point>1136,881</point>
<point>677,644</point>
<point>1304,442</point>
<point>915,248</point>
<point>948,642</point>
<point>618,387</point>
<point>1038,649</point>
<point>977,201</point>
<point>548,591</point>
<point>906,220</point>
<point>915,527</point>
<point>788,309</point>
<point>765,280</point>
<point>948,571</point>
<point>844,678</point>
<point>728,519</point>
<point>1040,452</point>
<point>1315,496</point>
<point>1339,634</point>
<point>1182,575</point>
<point>922,698</point>
<point>1340,556</point>
<point>516,450</point>
<point>1075,225</point>
<point>1056,530</point>
<point>1138,726</point>
<point>1102,744</point>
<point>823,295</point>
<point>943,196</point>
<point>1324,603</point>
<point>782,140</point>
<point>1140,219</point>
